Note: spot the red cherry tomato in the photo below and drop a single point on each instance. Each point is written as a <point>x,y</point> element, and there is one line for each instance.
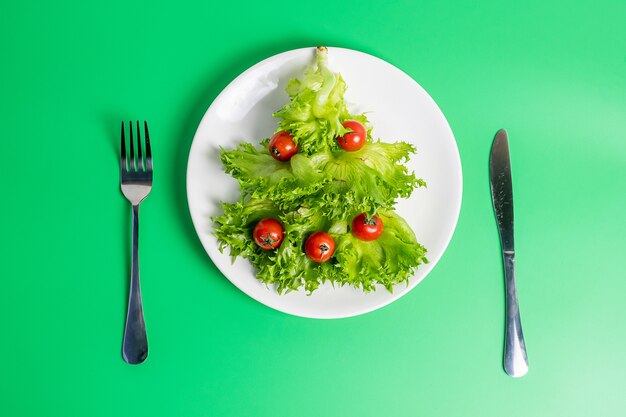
<point>319,247</point>
<point>268,233</point>
<point>354,140</point>
<point>367,229</point>
<point>282,146</point>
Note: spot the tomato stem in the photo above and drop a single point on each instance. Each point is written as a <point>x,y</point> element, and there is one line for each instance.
<point>370,222</point>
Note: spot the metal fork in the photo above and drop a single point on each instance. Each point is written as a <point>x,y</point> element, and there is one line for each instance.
<point>136,183</point>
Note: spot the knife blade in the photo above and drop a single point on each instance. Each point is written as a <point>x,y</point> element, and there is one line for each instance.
<point>515,357</point>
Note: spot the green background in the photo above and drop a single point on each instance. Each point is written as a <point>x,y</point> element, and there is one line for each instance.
<point>552,72</point>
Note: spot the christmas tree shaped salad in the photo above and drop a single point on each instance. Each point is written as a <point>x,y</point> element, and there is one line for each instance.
<point>317,198</point>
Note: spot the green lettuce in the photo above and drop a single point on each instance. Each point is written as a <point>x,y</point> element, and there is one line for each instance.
<point>317,109</point>
<point>321,188</point>
<point>287,268</point>
<point>260,176</point>
<point>368,180</point>
<point>389,260</point>
<point>336,183</point>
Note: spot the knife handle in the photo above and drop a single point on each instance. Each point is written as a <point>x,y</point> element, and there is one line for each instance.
<point>515,358</point>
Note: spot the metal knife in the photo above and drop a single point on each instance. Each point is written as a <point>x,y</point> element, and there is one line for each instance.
<point>515,358</point>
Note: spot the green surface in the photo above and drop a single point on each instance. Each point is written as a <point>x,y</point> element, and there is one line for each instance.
<point>552,73</point>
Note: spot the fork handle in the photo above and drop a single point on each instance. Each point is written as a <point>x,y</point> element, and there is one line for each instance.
<point>135,345</point>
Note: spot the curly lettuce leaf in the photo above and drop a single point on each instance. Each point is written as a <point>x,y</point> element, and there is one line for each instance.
<point>368,180</point>
<point>317,109</point>
<point>387,261</point>
<point>287,267</point>
<point>233,228</point>
<point>338,184</point>
<point>260,176</point>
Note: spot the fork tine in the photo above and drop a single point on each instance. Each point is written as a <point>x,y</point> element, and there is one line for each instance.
<point>140,164</point>
<point>132,166</point>
<point>123,154</point>
<point>148,150</point>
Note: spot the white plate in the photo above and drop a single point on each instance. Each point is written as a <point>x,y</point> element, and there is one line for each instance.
<point>398,108</point>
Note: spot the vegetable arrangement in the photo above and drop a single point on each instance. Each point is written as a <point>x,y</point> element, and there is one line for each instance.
<point>317,198</point>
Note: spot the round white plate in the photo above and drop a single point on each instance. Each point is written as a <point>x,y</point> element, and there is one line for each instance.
<point>398,109</point>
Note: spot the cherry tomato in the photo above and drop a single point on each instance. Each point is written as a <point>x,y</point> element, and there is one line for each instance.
<point>282,146</point>
<point>319,247</point>
<point>354,140</point>
<point>367,229</point>
<point>268,233</point>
